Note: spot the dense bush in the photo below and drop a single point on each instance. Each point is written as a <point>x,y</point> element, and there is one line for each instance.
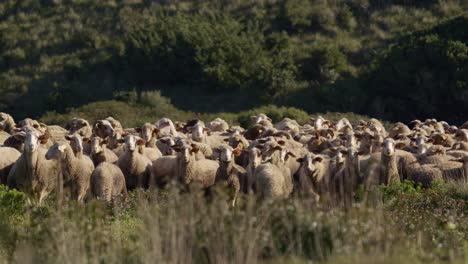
<point>424,75</point>
<point>232,55</point>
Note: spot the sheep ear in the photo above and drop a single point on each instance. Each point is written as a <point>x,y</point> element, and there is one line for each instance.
<point>400,145</point>
<point>206,129</point>
<point>176,149</point>
<point>42,125</point>
<point>237,152</point>
<point>300,160</point>
<point>277,148</point>
<point>344,152</point>
<point>140,142</point>
<point>281,142</point>
<point>20,136</point>
<point>68,138</point>
<point>290,154</point>
<point>262,141</point>
<point>138,129</point>
<point>85,139</point>
<point>156,131</point>
<point>317,159</point>
<point>226,140</point>
<point>43,139</point>
<point>194,150</point>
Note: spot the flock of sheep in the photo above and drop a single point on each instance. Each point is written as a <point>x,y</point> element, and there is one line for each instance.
<point>325,160</point>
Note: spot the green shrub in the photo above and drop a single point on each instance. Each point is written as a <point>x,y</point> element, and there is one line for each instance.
<point>325,64</point>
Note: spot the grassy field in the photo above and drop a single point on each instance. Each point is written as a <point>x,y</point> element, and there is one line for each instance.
<point>405,225</point>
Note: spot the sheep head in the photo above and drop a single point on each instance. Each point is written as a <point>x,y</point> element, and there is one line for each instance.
<point>147,131</point>
<point>76,142</point>
<point>56,151</point>
<point>185,152</point>
<point>312,165</point>
<point>103,129</point>
<point>388,147</point>
<point>32,139</point>
<point>97,144</point>
<point>132,142</point>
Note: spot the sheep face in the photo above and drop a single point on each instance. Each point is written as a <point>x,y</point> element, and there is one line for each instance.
<point>103,129</point>
<point>163,122</point>
<point>32,139</point>
<point>97,145</point>
<point>311,164</point>
<point>186,152</point>
<point>76,142</point>
<point>388,147</point>
<point>255,157</point>
<point>166,145</point>
<point>56,151</point>
<point>147,131</point>
<point>76,124</point>
<point>131,142</point>
<point>198,133</point>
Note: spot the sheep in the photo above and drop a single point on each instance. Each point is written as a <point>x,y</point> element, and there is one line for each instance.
<point>343,125</point>
<point>385,169</point>
<point>76,171</point>
<point>166,128</point>
<point>199,135</point>
<point>149,133</point>
<point>320,123</point>
<point>255,159</point>
<point>424,174</point>
<point>3,137</point>
<point>32,173</point>
<point>218,124</point>
<point>135,166</point>
<point>376,126</point>
<point>272,178</point>
<point>99,151</point>
<point>165,145</point>
<point>464,126</point>
<point>254,132</point>
<point>8,157</point>
<point>399,129</point>
<point>289,125</point>
<point>13,142</point>
<point>261,119</point>
<point>103,129</point>
<point>80,126</point>
<point>108,182</point>
<point>7,123</point>
<point>313,177</point>
<point>164,170</point>
<point>191,171</point>
<point>229,174</point>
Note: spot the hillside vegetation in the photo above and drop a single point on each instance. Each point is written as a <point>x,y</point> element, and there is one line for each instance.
<point>389,59</point>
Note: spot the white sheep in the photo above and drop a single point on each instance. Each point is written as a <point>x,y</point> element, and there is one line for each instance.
<point>80,126</point>
<point>7,123</point>
<point>99,151</point>
<point>135,166</point>
<point>108,182</point>
<point>194,172</point>
<point>313,177</point>
<point>8,157</point>
<point>76,171</point>
<point>230,175</point>
<point>218,124</point>
<point>32,173</point>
